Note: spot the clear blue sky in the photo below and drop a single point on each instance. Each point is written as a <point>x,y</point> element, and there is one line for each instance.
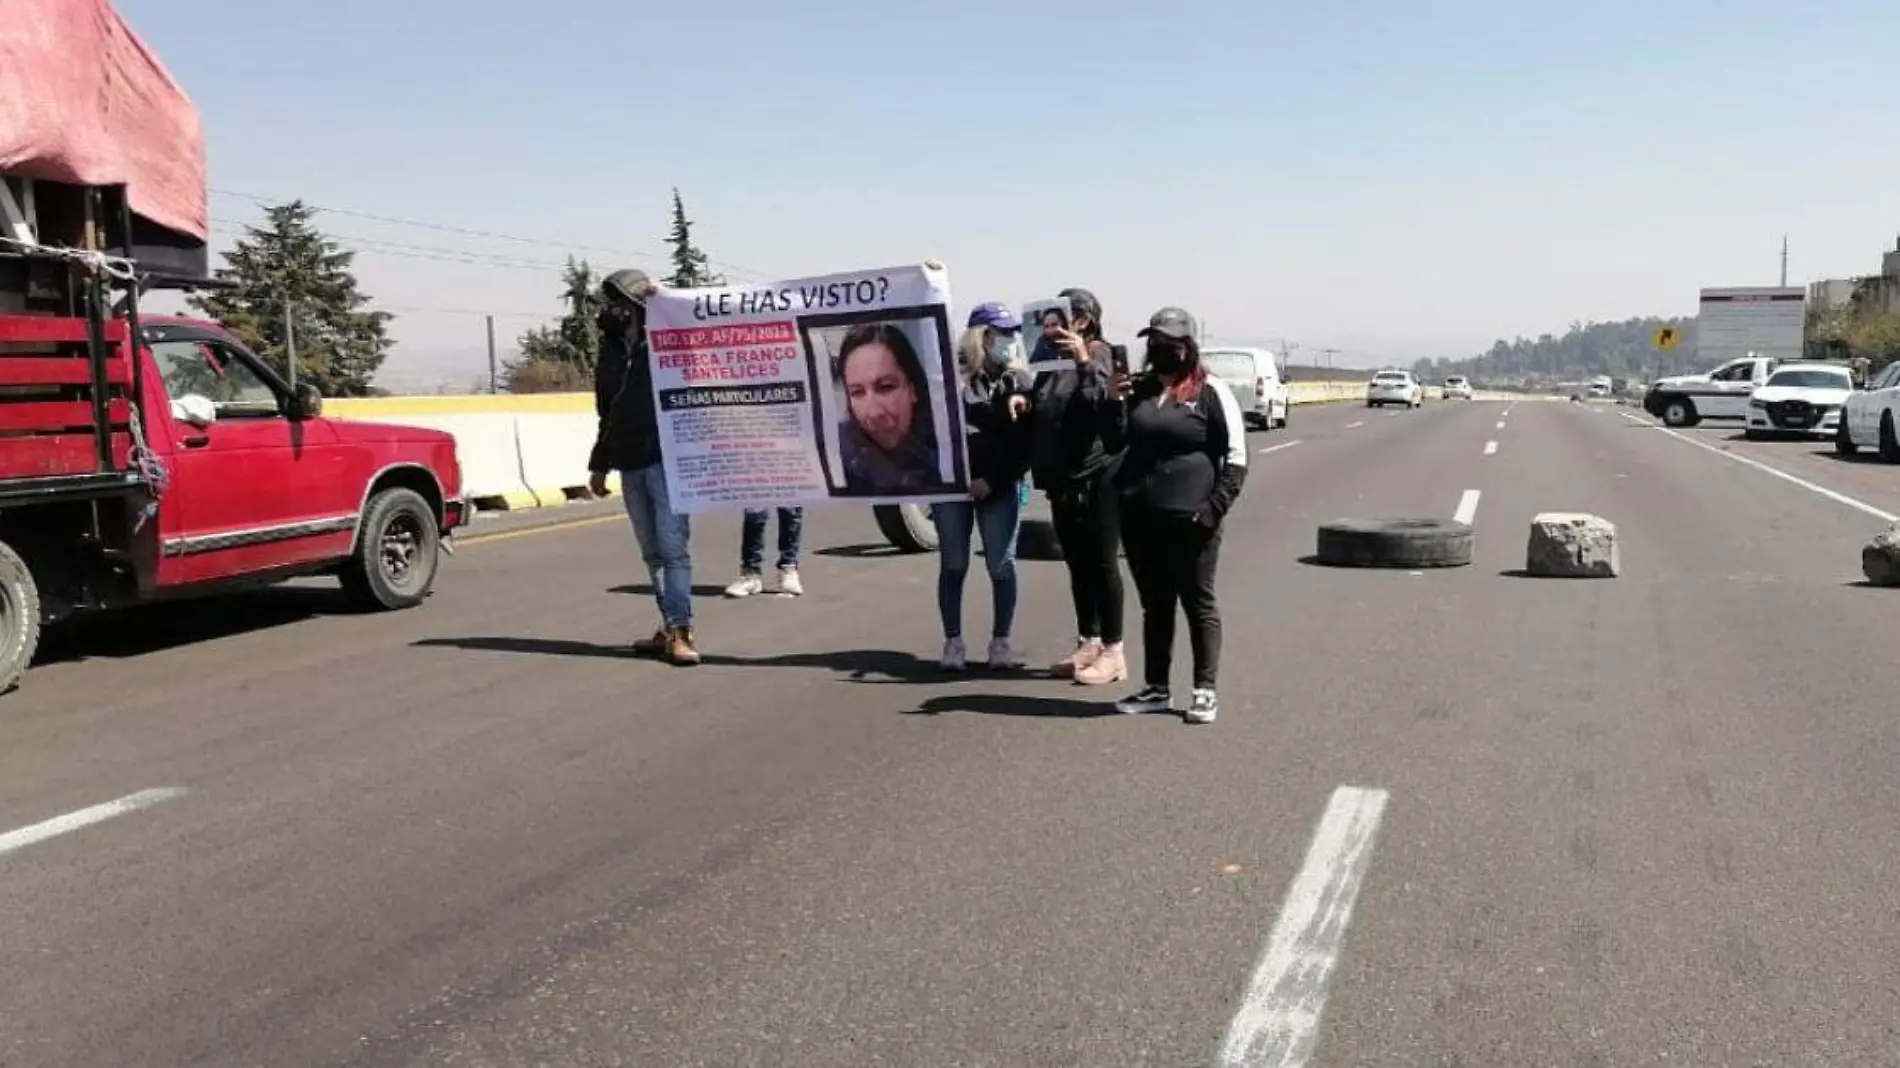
<point>1394,179</point>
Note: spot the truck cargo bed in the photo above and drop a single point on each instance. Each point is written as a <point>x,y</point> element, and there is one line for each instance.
<point>64,422</point>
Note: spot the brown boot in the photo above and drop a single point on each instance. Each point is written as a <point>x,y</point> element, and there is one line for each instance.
<point>654,646</point>
<point>679,647</point>
<point>1109,666</point>
<point>1086,650</point>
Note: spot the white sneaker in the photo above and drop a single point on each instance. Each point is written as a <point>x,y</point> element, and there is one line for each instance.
<point>747,584</point>
<point>788,583</point>
<point>1001,658</point>
<point>954,656</point>
<point>1145,700</point>
<point>1203,707</point>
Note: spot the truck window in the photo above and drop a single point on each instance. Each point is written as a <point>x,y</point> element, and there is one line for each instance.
<point>216,373</point>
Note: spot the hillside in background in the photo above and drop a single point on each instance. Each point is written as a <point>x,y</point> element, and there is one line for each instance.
<point>1621,350</point>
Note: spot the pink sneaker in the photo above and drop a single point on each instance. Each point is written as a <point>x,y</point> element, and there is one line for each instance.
<point>1086,650</point>
<point>1108,666</point>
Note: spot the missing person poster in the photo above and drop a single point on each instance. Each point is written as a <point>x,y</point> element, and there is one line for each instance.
<point>820,389</point>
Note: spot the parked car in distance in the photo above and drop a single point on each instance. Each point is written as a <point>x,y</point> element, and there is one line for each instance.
<point>1868,417</point>
<point>1253,375</point>
<point>1457,387</point>
<point>1394,387</point>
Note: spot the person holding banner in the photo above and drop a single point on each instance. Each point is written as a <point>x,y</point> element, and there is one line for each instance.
<point>1181,471</point>
<point>1075,413</point>
<point>995,389</point>
<point>628,441</point>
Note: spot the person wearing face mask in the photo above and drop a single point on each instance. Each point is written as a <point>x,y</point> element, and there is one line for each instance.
<point>1184,462</point>
<point>1074,414</point>
<point>995,386</point>
<point>628,441</point>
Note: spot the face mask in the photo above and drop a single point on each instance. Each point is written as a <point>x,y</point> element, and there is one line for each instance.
<point>1165,359</point>
<point>1005,350</point>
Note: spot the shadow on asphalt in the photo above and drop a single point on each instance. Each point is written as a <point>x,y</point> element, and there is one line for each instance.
<point>153,628</point>
<point>867,551</point>
<point>645,589</point>
<point>997,704</point>
<point>857,665</point>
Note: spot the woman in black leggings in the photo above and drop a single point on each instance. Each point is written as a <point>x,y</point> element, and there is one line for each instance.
<point>1185,461</point>
<point>1075,411</point>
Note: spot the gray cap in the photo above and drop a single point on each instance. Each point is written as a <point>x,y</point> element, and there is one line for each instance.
<point>1173,323</point>
<point>629,285</point>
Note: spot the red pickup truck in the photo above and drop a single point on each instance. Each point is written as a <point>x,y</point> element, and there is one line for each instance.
<point>185,465</point>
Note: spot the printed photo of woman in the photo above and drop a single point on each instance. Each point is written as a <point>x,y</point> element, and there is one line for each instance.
<point>887,441</point>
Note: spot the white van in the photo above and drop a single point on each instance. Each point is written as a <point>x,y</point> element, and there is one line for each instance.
<point>1254,377</point>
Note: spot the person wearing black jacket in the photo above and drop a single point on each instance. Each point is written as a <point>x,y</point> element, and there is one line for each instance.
<point>1184,464</point>
<point>1074,415</point>
<point>995,388</point>
<point>629,442</point>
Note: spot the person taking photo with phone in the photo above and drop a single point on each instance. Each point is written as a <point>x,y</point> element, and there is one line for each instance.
<point>1182,468</point>
<point>1074,414</point>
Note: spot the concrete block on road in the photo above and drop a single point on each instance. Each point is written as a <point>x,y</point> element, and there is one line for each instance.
<point>1572,545</point>
<point>1880,558</point>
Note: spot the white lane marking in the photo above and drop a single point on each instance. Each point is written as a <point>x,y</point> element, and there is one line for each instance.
<point>1279,1016</point>
<point>85,817</point>
<point>1500,424</point>
<point>1467,507</point>
<point>1282,445</point>
<point>1490,448</point>
<point>1360,423</point>
<point>1812,487</point>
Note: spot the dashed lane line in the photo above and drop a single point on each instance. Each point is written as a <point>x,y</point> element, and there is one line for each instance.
<point>13,841</point>
<point>1355,426</point>
<point>1282,445</point>
<point>1746,461</point>
<point>1490,448</point>
<point>1278,1021</point>
<point>1467,507</point>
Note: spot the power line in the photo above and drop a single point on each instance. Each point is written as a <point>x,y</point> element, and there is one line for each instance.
<point>423,252</point>
<point>471,232</point>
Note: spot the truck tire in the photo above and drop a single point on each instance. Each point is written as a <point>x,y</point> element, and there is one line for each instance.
<point>397,553</point>
<point>1404,543</point>
<point>19,617</point>
<point>1679,412</point>
<point>906,526</point>
<point>1286,412</point>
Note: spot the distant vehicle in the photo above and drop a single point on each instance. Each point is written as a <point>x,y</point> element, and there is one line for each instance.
<point>1600,386</point>
<point>1253,375</point>
<point>1868,417</point>
<point>1457,386</point>
<point>1394,387</point>
<point>1799,398</point>
<point>1685,400</point>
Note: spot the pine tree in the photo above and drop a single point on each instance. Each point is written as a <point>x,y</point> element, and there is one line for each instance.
<point>287,271</point>
<point>691,268</point>
<point>562,357</point>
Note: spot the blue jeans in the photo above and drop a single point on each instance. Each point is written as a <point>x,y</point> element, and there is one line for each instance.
<point>995,517</point>
<point>791,528</point>
<point>665,542</point>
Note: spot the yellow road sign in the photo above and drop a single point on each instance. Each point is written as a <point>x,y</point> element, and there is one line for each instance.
<point>1666,338</point>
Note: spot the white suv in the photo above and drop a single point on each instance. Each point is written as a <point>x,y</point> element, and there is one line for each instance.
<point>1394,387</point>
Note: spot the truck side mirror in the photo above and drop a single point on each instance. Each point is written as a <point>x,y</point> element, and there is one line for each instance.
<point>306,403</point>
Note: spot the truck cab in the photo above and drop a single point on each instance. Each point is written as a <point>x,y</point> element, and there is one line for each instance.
<point>1685,400</point>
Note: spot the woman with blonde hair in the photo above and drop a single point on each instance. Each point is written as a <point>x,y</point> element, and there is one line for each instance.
<point>995,387</point>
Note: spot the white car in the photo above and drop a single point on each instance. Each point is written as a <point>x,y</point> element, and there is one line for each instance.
<point>1457,386</point>
<point>1394,387</point>
<point>1799,398</point>
<point>1868,417</point>
<point>1253,377</point>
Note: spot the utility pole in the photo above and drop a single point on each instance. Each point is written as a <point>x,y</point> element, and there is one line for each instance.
<point>1784,260</point>
<point>1330,353</point>
<point>290,343</point>
<point>493,380</point>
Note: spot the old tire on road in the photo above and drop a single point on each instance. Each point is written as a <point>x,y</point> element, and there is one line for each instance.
<point>906,526</point>
<point>397,553</point>
<point>19,617</point>
<point>1402,543</point>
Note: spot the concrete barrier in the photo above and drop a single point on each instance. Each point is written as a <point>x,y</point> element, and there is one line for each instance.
<point>531,451</point>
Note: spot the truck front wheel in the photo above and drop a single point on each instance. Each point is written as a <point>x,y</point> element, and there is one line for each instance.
<point>397,553</point>
<point>19,617</point>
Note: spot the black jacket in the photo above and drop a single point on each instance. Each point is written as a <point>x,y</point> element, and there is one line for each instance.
<point>1076,417</point>
<point>629,435</point>
<point>999,446</point>
<point>1186,458</point>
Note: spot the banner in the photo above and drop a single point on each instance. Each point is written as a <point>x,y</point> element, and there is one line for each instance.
<point>819,389</point>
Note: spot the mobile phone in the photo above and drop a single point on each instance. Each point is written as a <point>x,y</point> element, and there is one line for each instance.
<point>1118,359</point>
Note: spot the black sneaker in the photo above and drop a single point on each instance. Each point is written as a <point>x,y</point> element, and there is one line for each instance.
<point>1145,700</point>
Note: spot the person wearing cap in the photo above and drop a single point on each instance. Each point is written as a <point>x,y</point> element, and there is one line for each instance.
<point>1184,462</point>
<point>994,391</point>
<point>628,441</point>
<point>1075,414</point>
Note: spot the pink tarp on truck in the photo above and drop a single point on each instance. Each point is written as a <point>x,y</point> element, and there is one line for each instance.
<point>82,100</point>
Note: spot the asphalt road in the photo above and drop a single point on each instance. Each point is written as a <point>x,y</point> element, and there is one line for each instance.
<point>1639,821</point>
